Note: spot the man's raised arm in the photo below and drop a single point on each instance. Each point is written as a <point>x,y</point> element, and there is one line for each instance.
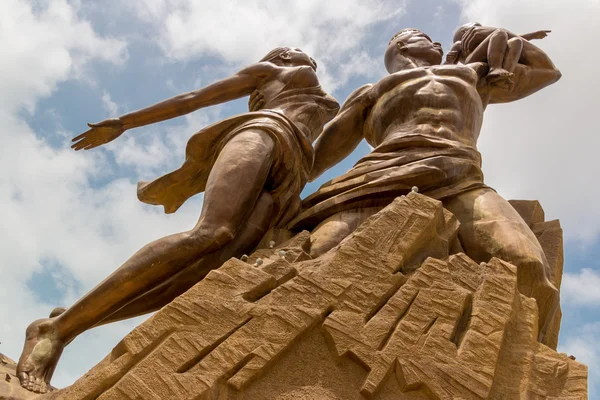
<point>343,133</point>
<point>536,73</point>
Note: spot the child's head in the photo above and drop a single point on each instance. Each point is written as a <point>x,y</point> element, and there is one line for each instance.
<point>458,35</point>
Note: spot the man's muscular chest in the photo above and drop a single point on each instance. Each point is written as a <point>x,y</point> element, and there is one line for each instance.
<point>437,77</point>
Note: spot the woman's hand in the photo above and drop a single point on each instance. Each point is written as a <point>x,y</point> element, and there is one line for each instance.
<point>256,101</point>
<point>99,134</point>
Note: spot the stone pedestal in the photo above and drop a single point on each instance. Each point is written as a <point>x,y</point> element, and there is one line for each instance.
<point>388,314</point>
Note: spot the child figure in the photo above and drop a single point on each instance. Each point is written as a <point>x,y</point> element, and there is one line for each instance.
<point>501,49</point>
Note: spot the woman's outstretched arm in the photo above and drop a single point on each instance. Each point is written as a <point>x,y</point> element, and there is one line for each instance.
<point>231,88</point>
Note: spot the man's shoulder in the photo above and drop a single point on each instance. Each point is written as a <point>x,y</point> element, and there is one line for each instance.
<point>360,95</point>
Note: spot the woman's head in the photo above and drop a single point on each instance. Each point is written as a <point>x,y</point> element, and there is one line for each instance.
<point>289,56</point>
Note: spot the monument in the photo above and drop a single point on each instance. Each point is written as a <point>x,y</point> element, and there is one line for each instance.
<point>405,278</point>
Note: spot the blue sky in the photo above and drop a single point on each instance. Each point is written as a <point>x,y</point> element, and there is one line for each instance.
<point>71,218</point>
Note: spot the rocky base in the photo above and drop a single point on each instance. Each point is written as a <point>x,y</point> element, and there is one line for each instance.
<point>10,388</point>
<point>388,314</point>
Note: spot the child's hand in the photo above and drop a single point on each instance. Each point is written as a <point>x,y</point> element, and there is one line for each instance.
<point>536,35</point>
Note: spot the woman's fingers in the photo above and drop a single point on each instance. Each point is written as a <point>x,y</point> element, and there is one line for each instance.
<point>84,134</point>
<point>257,101</point>
<point>84,141</point>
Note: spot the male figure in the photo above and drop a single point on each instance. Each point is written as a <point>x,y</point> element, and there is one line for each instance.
<point>424,120</point>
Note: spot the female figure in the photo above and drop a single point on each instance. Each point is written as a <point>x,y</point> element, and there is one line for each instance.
<point>251,168</point>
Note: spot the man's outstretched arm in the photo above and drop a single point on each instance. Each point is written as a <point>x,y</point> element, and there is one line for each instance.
<point>343,133</point>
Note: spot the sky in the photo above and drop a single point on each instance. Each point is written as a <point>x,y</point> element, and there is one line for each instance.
<point>70,218</point>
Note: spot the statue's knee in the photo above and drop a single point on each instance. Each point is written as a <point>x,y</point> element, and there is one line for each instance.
<point>206,238</point>
<point>501,33</point>
<point>320,247</point>
<point>515,42</point>
<point>224,235</point>
<point>515,39</point>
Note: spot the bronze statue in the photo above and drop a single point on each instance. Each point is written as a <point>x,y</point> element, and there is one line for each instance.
<point>499,48</point>
<point>251,167</point>
<point>424,120</point>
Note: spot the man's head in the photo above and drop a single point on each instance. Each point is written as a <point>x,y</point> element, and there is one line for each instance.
<point>289,56</point>
<point>412,47</point>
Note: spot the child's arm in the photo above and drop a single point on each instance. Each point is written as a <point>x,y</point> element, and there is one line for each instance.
<point>535,35</point>
<point>454,54</point>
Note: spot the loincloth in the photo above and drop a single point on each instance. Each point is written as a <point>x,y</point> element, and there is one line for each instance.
<point>438,167</point>
<point>288,175</point>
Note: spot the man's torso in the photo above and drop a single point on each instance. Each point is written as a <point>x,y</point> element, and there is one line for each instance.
<point>438,102</point>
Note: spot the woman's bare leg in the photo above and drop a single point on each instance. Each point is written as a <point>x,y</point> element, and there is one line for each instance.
<point>244,242</point>
<point>234,185</point>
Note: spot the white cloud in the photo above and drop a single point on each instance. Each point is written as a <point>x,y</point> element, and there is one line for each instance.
<point>49,209</point>
<point>44,45</point>
<point>111,108</point>
<point>584,344</point>
<point>545,147</point>
<point>581,288</point>
<point>153,150</point>
<point>330,31</point>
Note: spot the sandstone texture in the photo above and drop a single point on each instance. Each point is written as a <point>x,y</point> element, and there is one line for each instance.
<point>388,314</point>
<point>10,389</point>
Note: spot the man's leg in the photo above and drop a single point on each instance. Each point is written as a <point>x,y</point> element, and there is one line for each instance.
<point>336,228</point>
<point>491,227</point>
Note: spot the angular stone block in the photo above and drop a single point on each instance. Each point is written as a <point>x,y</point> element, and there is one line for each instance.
<point>530,210</point>
<point>387,315</point>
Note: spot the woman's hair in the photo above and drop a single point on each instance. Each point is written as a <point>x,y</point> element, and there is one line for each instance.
<point>274,54</point>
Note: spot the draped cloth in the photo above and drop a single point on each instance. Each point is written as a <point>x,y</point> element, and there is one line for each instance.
<point>289,173</point>
<point>439,167</point>
<point>295,116</point>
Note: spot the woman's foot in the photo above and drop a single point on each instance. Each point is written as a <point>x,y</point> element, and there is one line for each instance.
<point>41,352</point>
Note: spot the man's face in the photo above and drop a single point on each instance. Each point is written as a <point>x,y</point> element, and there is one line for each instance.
<point>416,45</point>
<point>298,57</point>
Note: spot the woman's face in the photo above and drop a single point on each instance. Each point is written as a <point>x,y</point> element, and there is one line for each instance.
<point>297,57</point>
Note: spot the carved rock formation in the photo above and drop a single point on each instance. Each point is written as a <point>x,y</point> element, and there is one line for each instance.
<point>388,314</point>
<point>10,389</point>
